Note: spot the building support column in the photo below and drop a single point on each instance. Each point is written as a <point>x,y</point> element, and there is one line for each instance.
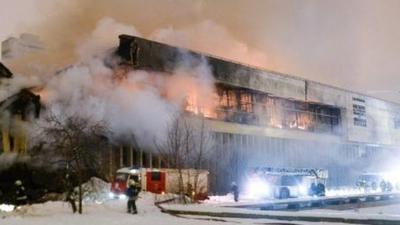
<point>6,139</point>
<point>111,161</point>
<point>140,158</point>
<point>131,155</point>
<point>121,156</point>
<point>150,160</point>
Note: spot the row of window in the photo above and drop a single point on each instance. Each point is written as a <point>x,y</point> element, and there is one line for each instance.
<point>256,108</point>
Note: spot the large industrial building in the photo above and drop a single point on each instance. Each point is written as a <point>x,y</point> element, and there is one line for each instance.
<point>265,118</point>
<point>261,118</point>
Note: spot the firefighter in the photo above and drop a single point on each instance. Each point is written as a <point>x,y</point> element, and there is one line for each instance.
<point>189,191</point>
<point>20,195</point>
<point>320,189</point>
<point>313,189</point>
<point>1,194</point>
<point>235,191</point>
<point>132,192</point>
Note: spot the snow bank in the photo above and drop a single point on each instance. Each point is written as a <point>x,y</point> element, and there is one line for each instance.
<point>6,208</point>
<point>217,199</point>
<point>95,190</point>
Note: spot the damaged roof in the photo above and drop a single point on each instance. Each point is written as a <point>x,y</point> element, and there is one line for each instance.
<point>4,71</point>
<point>23,103</point>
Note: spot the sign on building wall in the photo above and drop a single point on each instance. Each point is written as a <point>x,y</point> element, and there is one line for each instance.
<point>359,112</point>
<point>396,121</point>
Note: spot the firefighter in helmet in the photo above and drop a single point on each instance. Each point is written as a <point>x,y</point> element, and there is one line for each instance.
<point>132,193</point>
<point>20,194</point>
<point>235,191</point>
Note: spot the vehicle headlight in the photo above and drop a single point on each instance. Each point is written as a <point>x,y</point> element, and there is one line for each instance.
<point>122,196</point>
<point>303,189</point>
<point>257,188</point>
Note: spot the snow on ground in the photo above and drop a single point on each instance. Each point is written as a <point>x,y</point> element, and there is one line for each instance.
<point>392,210</point>
<point>95,190</point>
<point>113,213</point>
<point>258,221</point>
<point>351,214</point>
<point>108,213</point>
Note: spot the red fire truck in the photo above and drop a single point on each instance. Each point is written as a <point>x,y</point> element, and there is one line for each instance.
<point>160,181</point>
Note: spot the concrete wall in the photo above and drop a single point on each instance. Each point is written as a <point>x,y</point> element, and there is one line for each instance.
<point>379,114</point>
<point>238,152</point>
<point>242,146</point>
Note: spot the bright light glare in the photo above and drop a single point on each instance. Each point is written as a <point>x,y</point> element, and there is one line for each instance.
<point>392,177</point>
<point>345,191</point>
<point>257,188</point>
<point>111,195</point>
<point>122,196</point>
<point>6,208</point>
<point>303,189</point>
<point>134,171</point>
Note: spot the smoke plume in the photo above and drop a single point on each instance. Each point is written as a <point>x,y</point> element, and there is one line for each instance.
<point>136,102</point>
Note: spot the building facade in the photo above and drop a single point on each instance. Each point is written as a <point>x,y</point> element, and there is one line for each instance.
<point>265,118</point>
<point>16,110</point>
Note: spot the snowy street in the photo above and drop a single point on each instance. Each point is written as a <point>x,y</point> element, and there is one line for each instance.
<point>113,212</point>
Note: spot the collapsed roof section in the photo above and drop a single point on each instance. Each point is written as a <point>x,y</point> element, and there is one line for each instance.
<point>5,72</point>
<point>150,55</point>
<point>23,103</point>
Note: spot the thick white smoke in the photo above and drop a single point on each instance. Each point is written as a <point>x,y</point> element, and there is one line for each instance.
<point>137,102</point>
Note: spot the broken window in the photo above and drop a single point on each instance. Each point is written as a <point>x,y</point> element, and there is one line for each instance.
<point>246,102</point>
<point>228,99</point>
<point>250,107</point>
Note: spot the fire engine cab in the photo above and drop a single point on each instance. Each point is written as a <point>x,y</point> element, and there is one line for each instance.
<point>160,181</point>
<point>268,182</point>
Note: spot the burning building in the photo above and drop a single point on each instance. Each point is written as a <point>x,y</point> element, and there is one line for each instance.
<point>14,111</point>
<point>265,118</point>
<point>258,118</point>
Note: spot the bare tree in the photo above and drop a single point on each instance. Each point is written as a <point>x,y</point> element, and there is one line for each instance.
<point>77,141</point>
<point>186,145</point>
<point>172,148</point>
<point>203,146</point>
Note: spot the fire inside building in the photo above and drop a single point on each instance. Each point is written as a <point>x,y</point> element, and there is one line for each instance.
<point>265,118</point>
<point>258,118</point>
<point>14,111</point>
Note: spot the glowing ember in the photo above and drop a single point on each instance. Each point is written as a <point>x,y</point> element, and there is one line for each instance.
<point>194,106</point>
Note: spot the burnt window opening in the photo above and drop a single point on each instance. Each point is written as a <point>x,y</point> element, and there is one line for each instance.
<point>227,99</point>
<point>11,141</point>
<point>246,102</point>
<point>134,53</point>
<point>245,106</point>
